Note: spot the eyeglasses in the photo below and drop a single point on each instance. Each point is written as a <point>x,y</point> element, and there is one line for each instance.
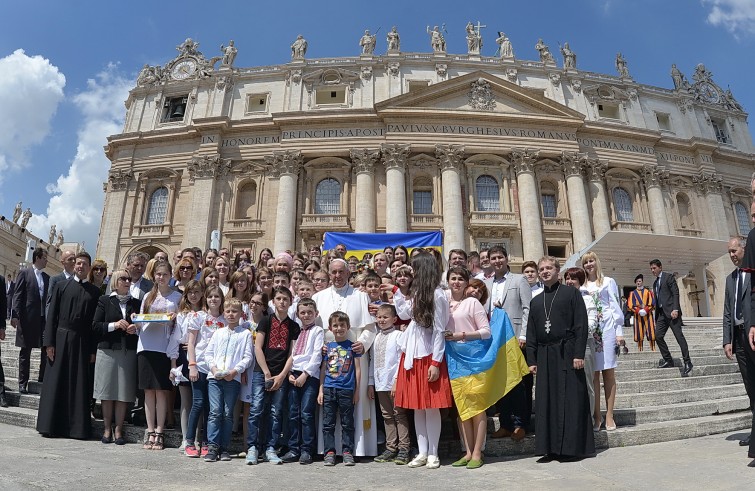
<point>258,304</point>
<point>99,270</point>
<point>124,278</point>
<point>185,268</point>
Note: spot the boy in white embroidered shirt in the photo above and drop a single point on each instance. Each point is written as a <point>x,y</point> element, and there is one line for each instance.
<point>228,355</point>
<point>384,360</point>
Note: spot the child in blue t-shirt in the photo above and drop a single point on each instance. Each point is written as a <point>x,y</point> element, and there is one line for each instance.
<point>339,389</point>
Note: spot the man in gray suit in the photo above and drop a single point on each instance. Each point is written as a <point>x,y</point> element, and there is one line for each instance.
<point>68,260</point>
<point>737,304</point>
<point>512,293</point>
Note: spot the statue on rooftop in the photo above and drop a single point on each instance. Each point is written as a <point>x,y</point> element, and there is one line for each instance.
<point>299,48</point>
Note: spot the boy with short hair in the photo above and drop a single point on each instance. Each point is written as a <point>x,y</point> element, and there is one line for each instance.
<point>339,389</point>
<point>372,284</point>
<point>273,349</point>
<point>305,288</point>
<point>304,385</point>
<point>385,357</point>
<point>228,355</point>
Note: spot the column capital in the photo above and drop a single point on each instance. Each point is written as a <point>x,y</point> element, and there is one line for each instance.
<point>524,159</point>
<point>708,182</point>
<point>284,162</point>
<point>596,170</point>
<point>208,166</point>
<point>572,162</point>
<point>120,179</point>
<point>364,159</point>
<point>450,156</point>
<point>654,176</point>
<point>395,155</point>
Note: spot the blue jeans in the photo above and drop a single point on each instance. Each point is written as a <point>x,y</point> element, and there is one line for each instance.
<point>264,401</point>
<point>302,403</point>
<point>339,401</point>
<point>200,407</point>
<point>223,395</point>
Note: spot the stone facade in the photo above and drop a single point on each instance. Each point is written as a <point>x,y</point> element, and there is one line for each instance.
<point>13,245</point>
<point>491,150</point>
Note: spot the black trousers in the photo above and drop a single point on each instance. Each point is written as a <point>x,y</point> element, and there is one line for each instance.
<point>662,324</point>
<point>2,374</point>
<point>512,410</point>
<point>24,365</point>
<point>746,361</point>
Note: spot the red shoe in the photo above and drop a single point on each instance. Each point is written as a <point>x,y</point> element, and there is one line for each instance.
<point>191,451</point>
<point>205,449</point>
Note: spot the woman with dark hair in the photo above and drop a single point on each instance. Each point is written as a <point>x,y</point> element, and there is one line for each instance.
<point>208,259</point>
<point>242,259</point>
<point>310,268</point>
<point>388,251</point>
<point>478,290</point>
<point>97,275</point>
<point>265,255</point>
<point>186,270</point>
<point>401,252</point>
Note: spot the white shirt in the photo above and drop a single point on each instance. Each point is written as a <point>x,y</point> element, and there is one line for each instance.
<point>309,361</point>
<point>230,350</point>
<point>40,284</point>
<point>154,336</point>
<point>207,325</point>
<point>419,341</point>
<point>384,360</point>
<point>499,285</point>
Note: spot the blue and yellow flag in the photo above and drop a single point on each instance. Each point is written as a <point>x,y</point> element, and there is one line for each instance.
<point>359,244</point>
<point>482,371</point>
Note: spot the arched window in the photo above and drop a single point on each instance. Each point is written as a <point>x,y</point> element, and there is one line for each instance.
<point>422,196</point>
<point>246,199</point>
<point>158,206</point>
<point>743,219</point>
<point>488,198</point>
<point>623,205</point>
<point>328,197</point>
<point>686,219</point>
<point>548,200</point>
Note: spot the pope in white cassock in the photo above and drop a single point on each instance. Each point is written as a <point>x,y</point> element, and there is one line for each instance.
<point>341,296</point>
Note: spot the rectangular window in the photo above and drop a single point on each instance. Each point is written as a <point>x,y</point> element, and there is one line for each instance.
<point>423,203</point>
<point>174,109</point>
<point>610,111</point>
<point>330,95</point>
<point>416,85</point>
<point>256,103</point>
<point>549,205</point>
<point>664,121</point>
<point>557,250</point>
<point>719,128</point>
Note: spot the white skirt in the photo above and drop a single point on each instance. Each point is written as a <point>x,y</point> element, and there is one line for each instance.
<point>606,359</point>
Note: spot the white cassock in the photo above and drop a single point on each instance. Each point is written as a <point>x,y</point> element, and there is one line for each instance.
<point>355,304</point>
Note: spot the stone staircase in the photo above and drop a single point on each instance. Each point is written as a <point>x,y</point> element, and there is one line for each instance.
<point>653,405</point>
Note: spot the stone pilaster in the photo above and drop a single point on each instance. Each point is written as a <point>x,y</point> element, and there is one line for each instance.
<point>394,159</point>
<point>451,158</point>
<point>112,221</point>
<point>529,203</point>
<point>203,172</point>
<point>654,178</point>
<point>710,185</point>
<point>364,163</point>
<point>575,192</point>
<point>601,217</point>
<point>286,166</point>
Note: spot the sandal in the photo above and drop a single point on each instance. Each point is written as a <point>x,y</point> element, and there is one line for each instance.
<point>159,441</point>
<point>148,444</point>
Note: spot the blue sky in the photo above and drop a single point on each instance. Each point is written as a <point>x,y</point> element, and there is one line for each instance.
<point>63,94</point>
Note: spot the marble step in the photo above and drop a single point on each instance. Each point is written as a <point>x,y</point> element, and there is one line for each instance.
<point>637,363</point>
<point>624,375</point>
<point>625,399</point>
<point>693,382</point>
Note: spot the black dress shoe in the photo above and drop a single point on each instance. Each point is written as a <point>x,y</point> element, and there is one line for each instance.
<point>745,442</point>
<point>687,368</point>
<point>3,400</point>
<point>666,364</point>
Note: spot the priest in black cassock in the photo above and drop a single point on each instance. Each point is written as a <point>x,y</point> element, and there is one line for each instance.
<point>64,406</point>
<point>556,340</point>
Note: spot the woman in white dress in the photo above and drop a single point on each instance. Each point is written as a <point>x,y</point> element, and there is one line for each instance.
<point>605,293</point>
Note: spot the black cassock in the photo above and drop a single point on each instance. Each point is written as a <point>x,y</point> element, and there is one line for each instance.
<point>64,404</point>
<point>563,424</point>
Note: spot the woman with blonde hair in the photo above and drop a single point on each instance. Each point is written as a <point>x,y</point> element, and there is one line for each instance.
<point>149,270</point>
<point>186,270</point>
<point>223,267</point>
<point>607,335</point>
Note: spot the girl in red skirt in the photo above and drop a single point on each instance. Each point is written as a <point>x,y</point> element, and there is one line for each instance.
<point>422,381</point>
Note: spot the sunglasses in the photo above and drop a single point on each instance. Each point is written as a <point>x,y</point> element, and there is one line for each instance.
<point>99,270</point>
<point>186,268</point>
<point>125,278</point>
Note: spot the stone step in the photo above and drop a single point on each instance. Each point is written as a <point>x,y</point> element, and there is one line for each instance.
<point>675,412</point>
<point>18,416</point>
<point>625,399</point>
<point>665,385</point>
<point>623,375</point>
<point>11,383</point>
<point>27,401</point>
<point>639,363</point>
<point>693,353</point>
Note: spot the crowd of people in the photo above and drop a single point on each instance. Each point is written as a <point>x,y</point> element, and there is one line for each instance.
<point>311,353</point>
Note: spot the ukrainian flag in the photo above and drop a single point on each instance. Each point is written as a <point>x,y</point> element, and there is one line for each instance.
<point>483,371</point>
<point>359,244</point>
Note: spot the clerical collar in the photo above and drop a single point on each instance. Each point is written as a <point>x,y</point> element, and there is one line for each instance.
<point>387,331</point>
<point>551,288</point>
<point>78,280</point>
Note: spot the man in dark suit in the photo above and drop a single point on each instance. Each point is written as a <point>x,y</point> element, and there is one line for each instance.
<point>28,314</point>
<point>3,317</point>
<point>668,313</point>
<point>9,286</point>
<point>68,260</point>
<point>737,304</point>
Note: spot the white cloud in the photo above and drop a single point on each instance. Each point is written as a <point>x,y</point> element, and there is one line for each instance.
<point>736,16</point>
<point>30,90</point>
<point>76,204</point>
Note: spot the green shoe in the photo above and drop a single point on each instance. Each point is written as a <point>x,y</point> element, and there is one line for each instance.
<point>461,462</point>
<point>474,464</point>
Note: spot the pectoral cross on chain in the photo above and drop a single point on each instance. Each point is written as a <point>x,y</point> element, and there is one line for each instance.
<point>547,327</point>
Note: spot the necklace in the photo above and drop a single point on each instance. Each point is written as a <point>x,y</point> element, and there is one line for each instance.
<point>549,310</point>
<point>335,294</point>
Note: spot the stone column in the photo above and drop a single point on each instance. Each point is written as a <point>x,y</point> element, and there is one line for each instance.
<point>529,203</point>
<point>113,215</point>
<point>710,185</point>
<point>364,162</point>
<point>601,217</point>
<point>575,192</point>
<point>287,165</point>
<point>203,171</point>
<point>451,159</point>
<point>394,159</point>
<point>653,177</point>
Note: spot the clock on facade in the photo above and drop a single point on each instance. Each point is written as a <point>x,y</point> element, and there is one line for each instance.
<point>708,93</point>
<point>184,69</point>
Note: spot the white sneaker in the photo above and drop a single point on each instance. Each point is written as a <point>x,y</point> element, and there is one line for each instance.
<point>182,447</point>
<point>418,461</point>
<point>433,462</point>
